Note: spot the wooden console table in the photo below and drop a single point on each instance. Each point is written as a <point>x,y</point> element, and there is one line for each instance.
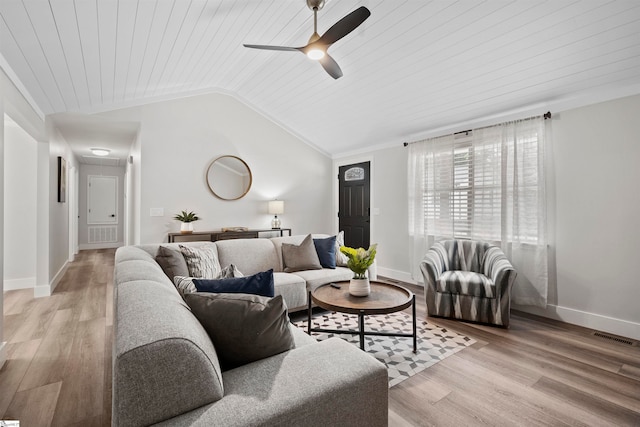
<point>212,236</point>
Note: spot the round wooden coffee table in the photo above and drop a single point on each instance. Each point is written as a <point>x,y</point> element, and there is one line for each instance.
<point>384,298</point>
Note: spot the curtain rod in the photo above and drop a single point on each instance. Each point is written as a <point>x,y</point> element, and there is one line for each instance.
<point>546,116</point>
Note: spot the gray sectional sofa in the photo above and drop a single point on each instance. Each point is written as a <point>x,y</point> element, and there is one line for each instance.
<point>166,370</point>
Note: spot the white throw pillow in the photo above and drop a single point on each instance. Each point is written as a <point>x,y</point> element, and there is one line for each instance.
<point>341,259</point>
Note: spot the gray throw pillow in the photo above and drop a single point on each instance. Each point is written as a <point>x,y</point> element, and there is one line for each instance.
<point>172,262</point>
<point>300,257</point>
<point>243,328</point>
<point>202,262</point>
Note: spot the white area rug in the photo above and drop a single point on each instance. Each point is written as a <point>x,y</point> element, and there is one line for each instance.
<point>434,343</point>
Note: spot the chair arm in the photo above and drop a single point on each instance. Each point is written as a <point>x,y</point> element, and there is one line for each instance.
<point>432,266</point>
<point>498,268</point>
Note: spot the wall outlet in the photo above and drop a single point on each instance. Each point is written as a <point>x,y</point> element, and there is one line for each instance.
<point>156,212</point>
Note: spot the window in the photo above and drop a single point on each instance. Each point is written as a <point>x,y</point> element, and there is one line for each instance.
<point>482,184</point>
<point>487,184</point>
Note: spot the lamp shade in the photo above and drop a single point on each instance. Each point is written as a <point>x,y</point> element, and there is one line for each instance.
<point>276,207</point>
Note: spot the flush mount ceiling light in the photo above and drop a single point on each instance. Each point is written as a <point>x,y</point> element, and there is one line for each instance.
<point>100,151</point>
<point>317,47</point>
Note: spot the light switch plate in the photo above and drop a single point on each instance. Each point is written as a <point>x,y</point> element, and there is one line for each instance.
<point>376,211</point>
<point>156,212</point>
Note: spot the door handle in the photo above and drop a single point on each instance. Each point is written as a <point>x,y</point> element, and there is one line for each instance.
<point>112,215</point>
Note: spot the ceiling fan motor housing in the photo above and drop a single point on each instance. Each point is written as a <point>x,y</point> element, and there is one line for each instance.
<point>315,4</point>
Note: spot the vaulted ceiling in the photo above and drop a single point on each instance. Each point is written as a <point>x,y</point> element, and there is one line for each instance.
<point>413,66</point>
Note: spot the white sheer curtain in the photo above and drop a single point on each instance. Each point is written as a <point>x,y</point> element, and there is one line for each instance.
<point>486,184</point>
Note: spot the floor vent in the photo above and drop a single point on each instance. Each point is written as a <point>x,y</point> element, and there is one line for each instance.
<point>103,234</point>
<point>614,338</point>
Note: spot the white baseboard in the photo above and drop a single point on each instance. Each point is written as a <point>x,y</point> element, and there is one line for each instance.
<point>3,353</point>
<point>23,283</point>
<point>88,246</point>
<point>403,276</point>
<point>46,290</point>
<point>598,322</point>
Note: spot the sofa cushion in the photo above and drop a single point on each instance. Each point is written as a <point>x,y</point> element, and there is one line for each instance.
<point>249,255</point>
<point>315,278</point>
<point>300,257</point>
<point>466,283</point>
<point>202,262</point>
<point>256,284</point>
<point>172,262</point>
<point>326,250</point>
<point>292,288</point>
<point>243,328</point>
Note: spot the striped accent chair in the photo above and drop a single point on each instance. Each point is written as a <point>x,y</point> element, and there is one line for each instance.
<point>468,280</point>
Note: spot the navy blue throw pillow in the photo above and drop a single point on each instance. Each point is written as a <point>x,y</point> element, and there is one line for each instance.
<point>326,250</point>
<point>257,284</point>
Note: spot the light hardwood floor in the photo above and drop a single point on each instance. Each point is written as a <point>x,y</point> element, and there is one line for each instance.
<point>538,372</point>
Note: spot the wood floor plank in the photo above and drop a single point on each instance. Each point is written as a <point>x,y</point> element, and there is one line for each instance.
<point>34,407</point>
<point>619,415</point>
<point>19,356</point>
<point>35,325</point>
<point>16,301</point>
<point>81,395</point>
<point>50,361</point>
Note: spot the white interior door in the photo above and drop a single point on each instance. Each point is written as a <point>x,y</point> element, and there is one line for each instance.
<point>102,200</point>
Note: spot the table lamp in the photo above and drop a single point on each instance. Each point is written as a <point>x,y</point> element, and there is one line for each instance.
<point>276,207</point>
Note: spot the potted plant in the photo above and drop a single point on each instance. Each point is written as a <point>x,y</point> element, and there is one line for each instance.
<point>186,218</point>
<point>359,261</point>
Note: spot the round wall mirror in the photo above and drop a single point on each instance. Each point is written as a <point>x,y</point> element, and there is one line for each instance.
<point>229,178</point>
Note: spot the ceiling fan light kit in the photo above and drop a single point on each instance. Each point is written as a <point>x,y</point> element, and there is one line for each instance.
<point>317,46</point>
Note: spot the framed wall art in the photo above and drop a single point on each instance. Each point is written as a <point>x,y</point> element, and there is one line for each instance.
<point>62,180</point>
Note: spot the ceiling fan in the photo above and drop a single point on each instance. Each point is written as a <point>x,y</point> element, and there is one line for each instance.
<point>317,47</point>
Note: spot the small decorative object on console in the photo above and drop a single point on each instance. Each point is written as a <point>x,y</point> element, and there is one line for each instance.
<point>359,261</point>
<point>186,218</point>
<point>225,229</point>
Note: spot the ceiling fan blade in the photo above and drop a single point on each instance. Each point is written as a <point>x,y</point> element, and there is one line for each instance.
<point>344,26</point>
<point>265,47</point>
<point>331,66</point>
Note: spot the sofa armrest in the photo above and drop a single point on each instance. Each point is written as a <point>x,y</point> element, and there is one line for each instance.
<point>326,383</point>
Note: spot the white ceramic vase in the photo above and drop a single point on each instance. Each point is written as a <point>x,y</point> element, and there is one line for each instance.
<point>359,287</point>
<point>186,228</point>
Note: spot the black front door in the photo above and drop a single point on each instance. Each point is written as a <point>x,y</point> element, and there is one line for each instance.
<point>353,214</point>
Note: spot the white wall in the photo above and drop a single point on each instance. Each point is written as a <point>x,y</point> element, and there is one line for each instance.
<point>178,140</point>
<point>13,104</point>
<point>83,233</point>
<point>20,189</point>
<point>596,153</point>
<point>58,212</point>
<point>594,206</point>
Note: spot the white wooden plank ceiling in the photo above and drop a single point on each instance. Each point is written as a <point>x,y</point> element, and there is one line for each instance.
<point>412,66</point>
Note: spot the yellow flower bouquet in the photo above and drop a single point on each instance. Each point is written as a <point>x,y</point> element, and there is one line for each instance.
<point>359,259</point>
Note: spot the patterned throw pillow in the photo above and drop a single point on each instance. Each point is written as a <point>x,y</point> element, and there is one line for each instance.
<point>341,259</point>
<point>202,262</point>
<point>185,284</point>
